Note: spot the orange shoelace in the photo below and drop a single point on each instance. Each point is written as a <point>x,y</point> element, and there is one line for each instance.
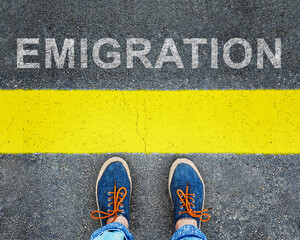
<point>185,199</point>
<point>118,198</point>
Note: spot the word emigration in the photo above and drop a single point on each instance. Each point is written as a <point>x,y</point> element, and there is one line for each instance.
<point>168,53</point>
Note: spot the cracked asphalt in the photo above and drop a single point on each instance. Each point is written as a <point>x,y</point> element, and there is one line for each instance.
<point>50,196</point>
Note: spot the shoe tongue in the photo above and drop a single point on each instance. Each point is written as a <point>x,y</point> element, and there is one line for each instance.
<point>183,209</point>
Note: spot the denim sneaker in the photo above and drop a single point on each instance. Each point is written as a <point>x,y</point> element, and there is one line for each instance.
<point>187,191</point>
<point>113,189</point>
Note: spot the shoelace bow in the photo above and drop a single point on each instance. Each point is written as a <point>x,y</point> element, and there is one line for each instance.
<point>118,198</point>
<point>184,198</point>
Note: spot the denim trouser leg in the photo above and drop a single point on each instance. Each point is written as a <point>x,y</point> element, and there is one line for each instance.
<point>188,232</point>
<point>118,231</point>
<point>115,231</point>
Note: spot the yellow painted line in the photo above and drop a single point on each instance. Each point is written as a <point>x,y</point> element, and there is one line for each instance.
<point>96,121</point>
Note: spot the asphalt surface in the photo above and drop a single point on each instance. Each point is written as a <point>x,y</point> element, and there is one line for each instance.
<point>155,21</point>
<point>50,196</point>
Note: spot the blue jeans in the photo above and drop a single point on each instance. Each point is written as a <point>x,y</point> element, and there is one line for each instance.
<point>117,231</point>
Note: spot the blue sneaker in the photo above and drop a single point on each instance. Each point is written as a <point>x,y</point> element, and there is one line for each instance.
<point>187,191</point>
<point>113,189</point>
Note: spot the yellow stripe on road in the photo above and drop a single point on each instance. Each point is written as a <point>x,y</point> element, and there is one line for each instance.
<point>189,121</point>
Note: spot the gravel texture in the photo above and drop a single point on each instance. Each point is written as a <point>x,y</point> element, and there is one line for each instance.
<point>155,21</point>
<point>50,196</point>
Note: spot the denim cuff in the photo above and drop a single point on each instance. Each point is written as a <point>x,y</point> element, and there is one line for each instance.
<point>188,231</point>
<point>113,226</point>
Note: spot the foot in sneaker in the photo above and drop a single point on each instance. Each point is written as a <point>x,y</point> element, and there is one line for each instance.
<point>113,189</point>
<point>187,193</point>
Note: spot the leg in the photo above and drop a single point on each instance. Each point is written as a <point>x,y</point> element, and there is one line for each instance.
<point>113,189</point>
<point>187,194</point>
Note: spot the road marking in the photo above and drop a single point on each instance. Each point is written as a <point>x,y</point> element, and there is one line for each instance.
<point>188,121</point>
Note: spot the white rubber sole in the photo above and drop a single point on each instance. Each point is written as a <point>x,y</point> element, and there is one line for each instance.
<point>190,163</point>
<point>104,166</point>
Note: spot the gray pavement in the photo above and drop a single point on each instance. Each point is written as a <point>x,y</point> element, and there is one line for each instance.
<point>155,21</point>
<point>50,196</point>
